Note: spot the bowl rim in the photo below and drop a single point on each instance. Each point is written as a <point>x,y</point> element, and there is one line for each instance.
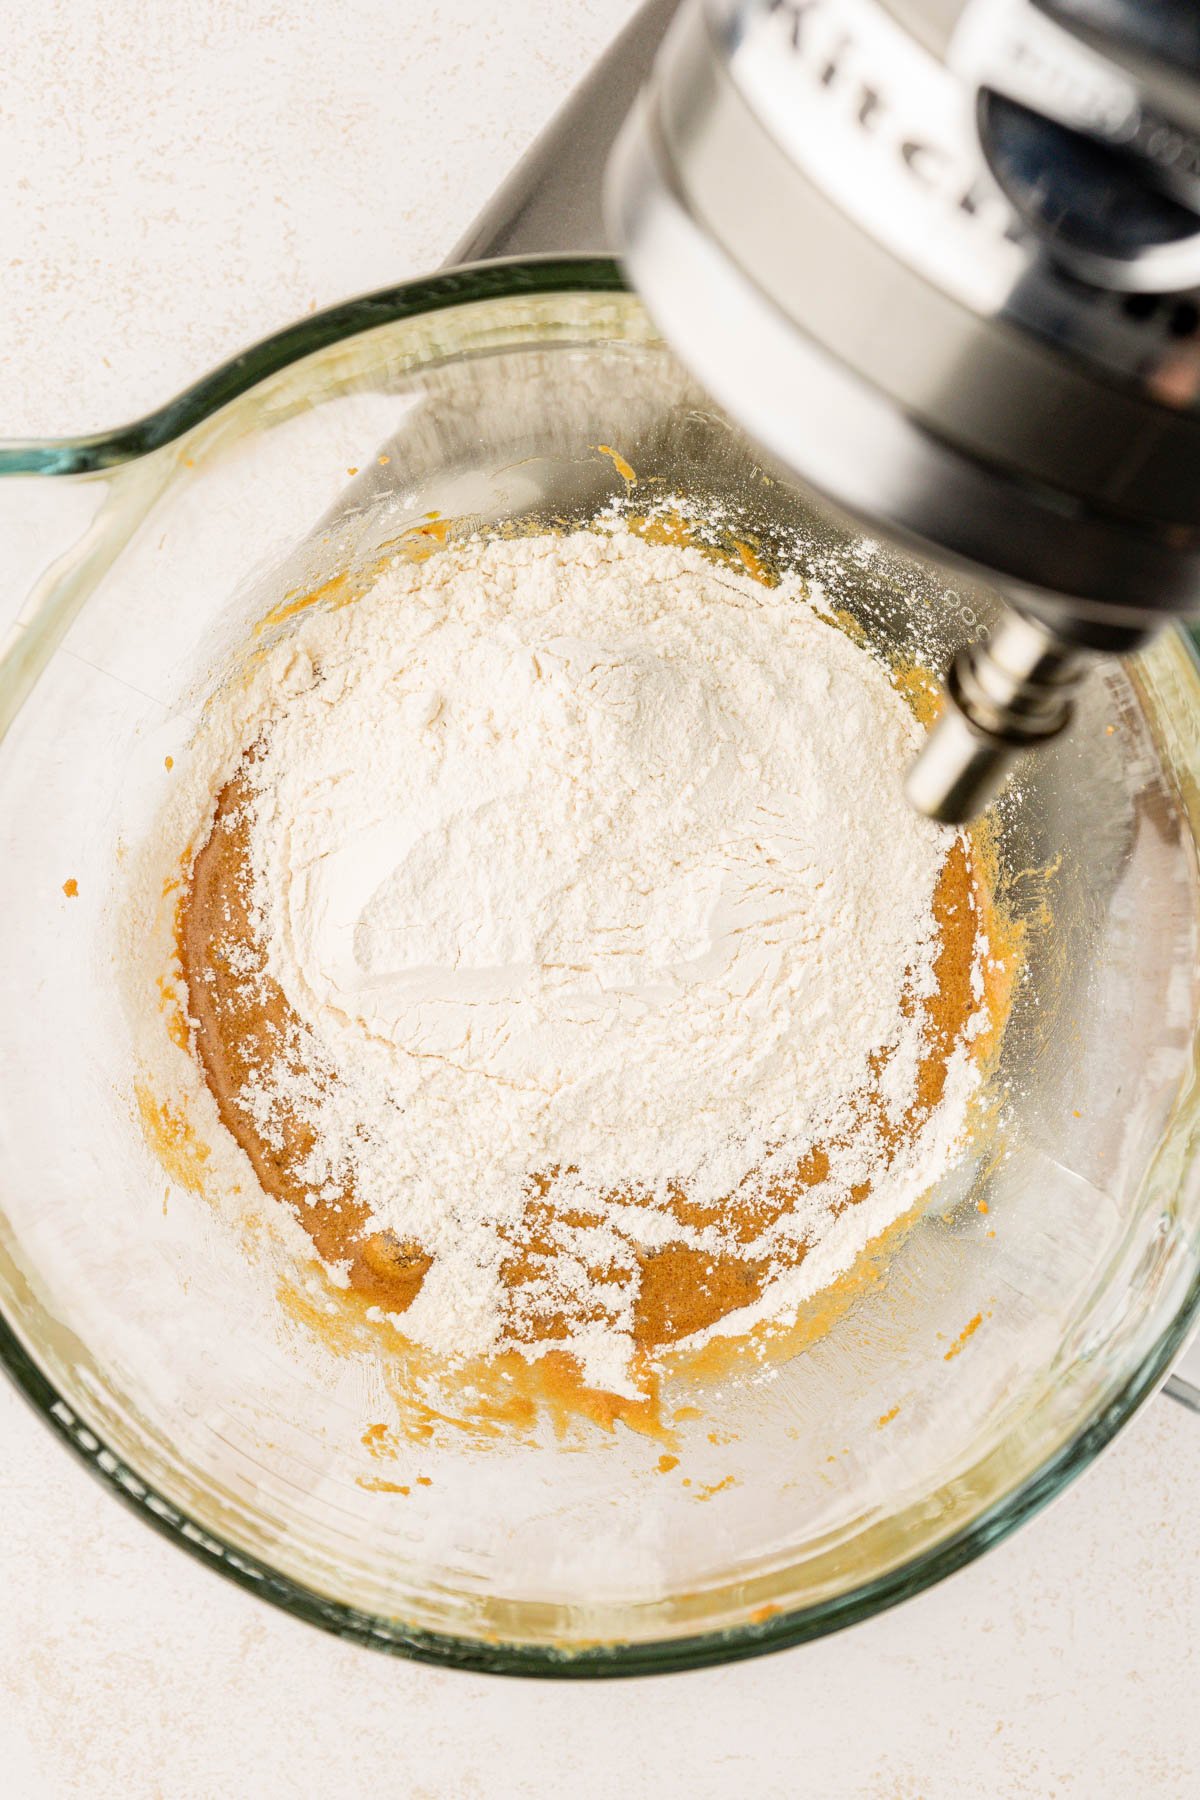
<point>659,1656</point>
<point>98,452</point>
<point>502,278</point>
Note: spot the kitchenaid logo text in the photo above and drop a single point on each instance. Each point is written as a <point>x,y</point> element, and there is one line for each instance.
<point>840,50</point>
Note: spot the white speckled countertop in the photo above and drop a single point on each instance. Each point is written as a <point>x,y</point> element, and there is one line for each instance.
<point>177,182</point>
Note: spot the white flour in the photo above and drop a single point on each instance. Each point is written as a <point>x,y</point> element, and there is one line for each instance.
<point>584,855</point>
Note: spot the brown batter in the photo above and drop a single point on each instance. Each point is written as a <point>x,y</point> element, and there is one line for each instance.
<point>244,1027</point>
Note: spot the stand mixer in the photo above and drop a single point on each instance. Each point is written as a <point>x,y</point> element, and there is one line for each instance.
<point>934,259</point>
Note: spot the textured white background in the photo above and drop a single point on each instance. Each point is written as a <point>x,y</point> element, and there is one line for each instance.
<point>175,181</point>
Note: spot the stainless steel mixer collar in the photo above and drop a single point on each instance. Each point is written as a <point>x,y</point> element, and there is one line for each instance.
<point>936,258</point>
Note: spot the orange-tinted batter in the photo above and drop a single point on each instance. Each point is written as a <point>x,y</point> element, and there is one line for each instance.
<point>244,1028</point>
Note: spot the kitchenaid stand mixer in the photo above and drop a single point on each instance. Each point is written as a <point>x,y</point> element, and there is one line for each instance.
<point>934,259</point>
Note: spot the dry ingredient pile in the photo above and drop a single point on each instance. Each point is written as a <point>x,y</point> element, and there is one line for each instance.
<point>560,950</point>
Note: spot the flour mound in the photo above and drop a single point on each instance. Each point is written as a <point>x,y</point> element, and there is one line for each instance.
<point>585,856</point>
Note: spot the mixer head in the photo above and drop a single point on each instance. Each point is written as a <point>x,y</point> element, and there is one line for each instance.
<point>936,259</point>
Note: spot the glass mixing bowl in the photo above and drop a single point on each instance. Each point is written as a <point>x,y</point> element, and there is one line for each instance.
<point>897,1445</point>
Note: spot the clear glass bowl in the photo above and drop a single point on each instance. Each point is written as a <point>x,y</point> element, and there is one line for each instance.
<point>865,1467</point>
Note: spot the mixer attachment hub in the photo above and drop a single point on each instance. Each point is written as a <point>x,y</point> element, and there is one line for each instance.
<point>1005,694</point>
